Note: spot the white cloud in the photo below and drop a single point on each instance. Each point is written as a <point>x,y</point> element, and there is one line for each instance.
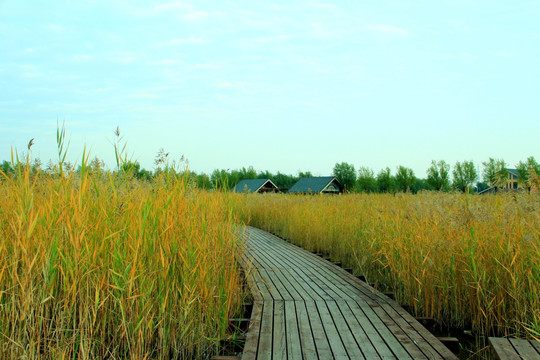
<point>196,15</point>
<point>164,62</point>
<point>124,59</point>
<point>56,27</point>
<point>81,57</point>
<point>144,96</point>
<point>173,5</point>
<point>387,29</point>
<point>189,40</point>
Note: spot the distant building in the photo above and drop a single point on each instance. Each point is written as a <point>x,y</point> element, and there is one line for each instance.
<point>255,186</point>
<point>512,180</point>
<point>511,183</point>
<point>317,185</point>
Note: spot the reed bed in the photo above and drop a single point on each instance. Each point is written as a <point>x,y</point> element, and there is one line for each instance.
<point>98,265</point>
<point>465,260</point>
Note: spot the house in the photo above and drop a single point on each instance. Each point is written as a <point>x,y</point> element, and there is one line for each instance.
<point>512,180</point>
<point>317,185</point>
<point>255,186</point>
<point>511,183</point>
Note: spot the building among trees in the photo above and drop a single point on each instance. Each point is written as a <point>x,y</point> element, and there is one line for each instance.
<point>317,185</point>
<point>255,186</point>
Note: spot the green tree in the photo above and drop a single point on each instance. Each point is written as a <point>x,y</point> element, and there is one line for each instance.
<point>366,181</point>
<point>346,175</point>
<point>306,174</point>
<point>405,178</point>
<point>284,181</point>
<point>495,173</point>
<point>385,181</point>
<point>525,170</point>
<point>265,175</point>
<point>202,181</point>
<point>464,176</point>
<point>438,176</point>
<point>6,168</point>
<point>221,180</point>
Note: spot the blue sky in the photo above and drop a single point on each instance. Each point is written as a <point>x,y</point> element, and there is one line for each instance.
<point>283,86</point>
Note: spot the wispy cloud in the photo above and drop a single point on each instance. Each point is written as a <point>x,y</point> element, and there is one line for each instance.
<point>196,15</point>
<point>80,57</point>
<point>124,59</point>
<point>189,40</point>
<point>173,5</point>
<point>387,29</point>
<point>163,62</point>
<point>144,96</point>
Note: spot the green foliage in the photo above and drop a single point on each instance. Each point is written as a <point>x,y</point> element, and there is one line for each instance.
<point>405,179</point>
<point>346,175</point>
<point>385,181</point>
<point>6,168</point>
<point>438,176</point>
<point>525,170</point>
<point>366,181</point>
<point>464,175</point>
<point>202,181</point>
<point>284,181</point>
<point>495,173</point>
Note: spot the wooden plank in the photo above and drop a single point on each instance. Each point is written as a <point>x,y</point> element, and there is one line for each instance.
<point>264,350</point>
<point>336,344</point>
<point>252,340</point>
<point>536,345</point>
<point>344,332</point>
<point>503,349</point>
<point>304,331</point>
<point>525,349</point>
<point>294,349</point>
<point>429,345</point>
<point>388,336</point>
<point>361,337</point>
<point>319,336</point>
<point>279,343</point>
<point>314,309</point>
<point>418,342</point>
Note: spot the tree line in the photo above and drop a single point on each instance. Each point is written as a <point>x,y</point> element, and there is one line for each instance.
<point>440,176</point>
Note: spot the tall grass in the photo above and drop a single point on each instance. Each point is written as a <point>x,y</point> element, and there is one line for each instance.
<point>468,261</point>
<point>97,265</point>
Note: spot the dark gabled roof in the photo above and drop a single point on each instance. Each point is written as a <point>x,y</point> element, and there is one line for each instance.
<point>513,171</point>
<point>252,185</point>
<point>314,184</point>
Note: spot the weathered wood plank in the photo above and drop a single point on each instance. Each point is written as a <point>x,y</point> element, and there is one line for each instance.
<point>332,334</point>
<point>294,348</point>
<point>264,351</point>
<point>319,335</point>
<point>315,310</point>
<point>363,339</point>
<point>525,349</point>
<point>349,342</point>
<point>503,349</point>
<point>254,330</point>
<point>307,342</point>
<point>279,344</point>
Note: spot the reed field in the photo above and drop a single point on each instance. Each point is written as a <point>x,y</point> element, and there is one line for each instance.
<point>98,265</point>
<point>469,261</point>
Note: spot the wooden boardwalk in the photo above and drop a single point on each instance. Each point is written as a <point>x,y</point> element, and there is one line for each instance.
<point>515,349</point>
<point>308,308</point>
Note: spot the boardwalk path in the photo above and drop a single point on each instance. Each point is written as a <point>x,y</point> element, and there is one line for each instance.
<point>308,308</point>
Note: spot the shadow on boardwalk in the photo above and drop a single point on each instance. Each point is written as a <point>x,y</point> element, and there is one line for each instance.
<point>307,308</point>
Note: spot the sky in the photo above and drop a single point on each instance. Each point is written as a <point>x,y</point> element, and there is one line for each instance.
<point>283,86</point>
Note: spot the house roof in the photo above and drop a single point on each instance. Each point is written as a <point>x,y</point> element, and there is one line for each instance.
<point>314,184</point>
<point>252,185</point>
<point>513,171</point>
